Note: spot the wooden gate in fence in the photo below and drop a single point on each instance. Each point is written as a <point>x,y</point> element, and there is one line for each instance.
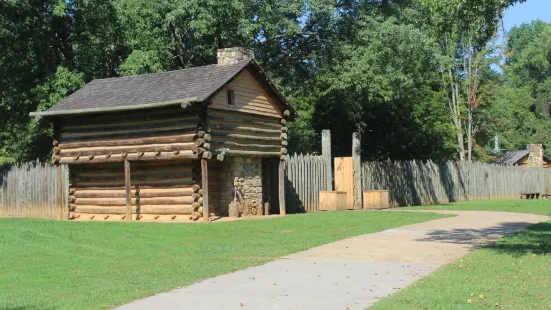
<point>344,179</point>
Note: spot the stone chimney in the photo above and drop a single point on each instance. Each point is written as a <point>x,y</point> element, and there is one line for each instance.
<point>535,156</point>
<point>232,55</point>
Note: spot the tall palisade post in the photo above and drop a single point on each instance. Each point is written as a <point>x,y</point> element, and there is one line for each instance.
<point>326,155</point>
<point>357,163</point>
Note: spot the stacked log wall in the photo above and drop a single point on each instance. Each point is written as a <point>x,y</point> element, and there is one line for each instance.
<point>241,134</point>
<point>142,135</point>
<point>158,188</point>
<point>251,124</point>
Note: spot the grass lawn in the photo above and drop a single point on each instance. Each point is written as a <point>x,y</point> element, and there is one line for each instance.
<point>48,264</point>
<point>534,206</point>
<point>515,274</point>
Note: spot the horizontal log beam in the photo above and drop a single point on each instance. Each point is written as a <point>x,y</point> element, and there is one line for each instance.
<point>253,153</point>
<point>246,137</point>
<point>146,171</point>
<point>134,183</point>
<point>127,142</point>
<point>114,125</point>
<point>135,201</point>
<point>185,176</point>
<point>132,134</point>
<point>127,149</point>
<point>148,114</point>
<point>121,194</point>
<point>243,128</point>
<point>130,157</point>
<point>222,144</point>
<point>194,187</point>
<point>144,209</point>
<point>216,116</point>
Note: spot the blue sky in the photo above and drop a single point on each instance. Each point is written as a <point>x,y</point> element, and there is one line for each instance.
<point>526,12</point>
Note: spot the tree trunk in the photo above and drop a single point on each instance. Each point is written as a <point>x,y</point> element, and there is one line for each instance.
<point>461,146</point>
<point>470,136</point>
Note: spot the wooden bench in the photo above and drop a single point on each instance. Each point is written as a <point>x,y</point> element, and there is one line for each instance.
<point>530,196</point>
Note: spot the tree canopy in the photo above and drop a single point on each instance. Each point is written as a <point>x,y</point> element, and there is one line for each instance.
<point>417,78</point>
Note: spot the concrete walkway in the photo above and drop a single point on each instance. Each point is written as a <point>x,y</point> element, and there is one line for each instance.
<point>349,274</point>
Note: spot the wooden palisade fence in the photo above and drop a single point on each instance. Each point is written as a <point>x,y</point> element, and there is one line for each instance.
<point>31,190</point>
<point>305,178</point>
<point>423,183</point>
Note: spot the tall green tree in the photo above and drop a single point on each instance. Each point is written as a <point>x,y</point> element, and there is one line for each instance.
<point>520,113</point>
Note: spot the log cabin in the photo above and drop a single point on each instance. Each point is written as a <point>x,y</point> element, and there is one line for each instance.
<point>181,144</point>
<point>533,156</point>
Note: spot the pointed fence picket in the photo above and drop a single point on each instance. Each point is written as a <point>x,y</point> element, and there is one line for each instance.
<point>422,183</point>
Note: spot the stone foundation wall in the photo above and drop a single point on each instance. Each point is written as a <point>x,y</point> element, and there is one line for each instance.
<point>243,174</point>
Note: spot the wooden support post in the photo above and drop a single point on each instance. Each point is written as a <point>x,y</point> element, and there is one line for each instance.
<point>128,190</point>
<point>60,191</point>
<point>205,188</point>
<point>65,191</point>
<point>357,164</point>
<point>326,155</point>
<point>281,186</point>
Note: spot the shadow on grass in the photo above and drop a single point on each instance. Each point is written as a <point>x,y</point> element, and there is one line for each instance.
<point>534,239</point>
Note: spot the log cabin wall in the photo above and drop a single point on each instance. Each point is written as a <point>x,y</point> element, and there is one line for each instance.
<point>160,145</point>
<point>244,119</point>
<point>141,135</point>
<point>167,188</point>
<point>245,125</point>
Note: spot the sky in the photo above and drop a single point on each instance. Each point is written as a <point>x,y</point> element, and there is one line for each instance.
<point>525,12</point>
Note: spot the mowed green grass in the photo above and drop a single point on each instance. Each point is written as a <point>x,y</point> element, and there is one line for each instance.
<point>514,273</point>
<point>48,264</point>
<point>534,206</point>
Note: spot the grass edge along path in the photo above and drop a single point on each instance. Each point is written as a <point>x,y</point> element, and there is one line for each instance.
<point>513,273</point>
<point>533,206</point>
<point>47,264</point>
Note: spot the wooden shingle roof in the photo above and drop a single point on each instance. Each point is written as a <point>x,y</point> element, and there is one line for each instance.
<point>155,90</point>
<point>511,158</point>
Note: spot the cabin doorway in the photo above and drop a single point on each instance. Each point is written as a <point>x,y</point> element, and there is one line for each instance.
<point>270,191</point>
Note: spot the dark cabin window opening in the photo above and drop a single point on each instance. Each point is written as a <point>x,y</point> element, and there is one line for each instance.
<point>230,94</point>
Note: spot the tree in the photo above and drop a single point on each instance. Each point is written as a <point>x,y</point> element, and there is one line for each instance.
<point>383,84</point>
<point>464,29</point>
<point>520,111</point>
